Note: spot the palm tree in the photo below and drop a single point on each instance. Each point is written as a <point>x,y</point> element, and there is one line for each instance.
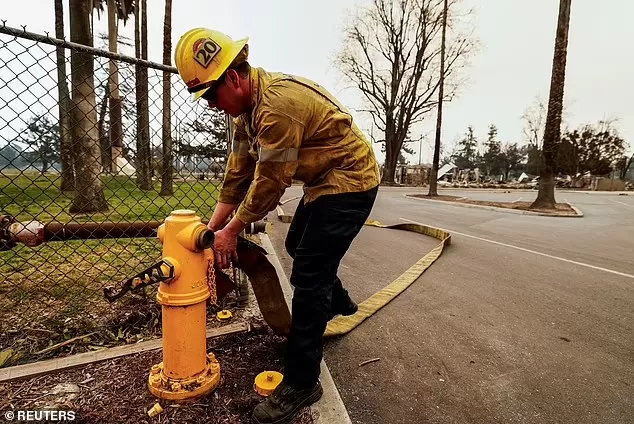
<point>552,132</point>
<point>89,196</point>
<point>117,10</point>
<point>66,148</point>
<point>167,178</point>
<point>144,159</point>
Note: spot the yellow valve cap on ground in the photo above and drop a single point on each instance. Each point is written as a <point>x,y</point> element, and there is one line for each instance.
<point>267,381</point>
<point>224,314</point>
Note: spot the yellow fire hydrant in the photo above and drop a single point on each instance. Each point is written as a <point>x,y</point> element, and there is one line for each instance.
<point>187,370</point>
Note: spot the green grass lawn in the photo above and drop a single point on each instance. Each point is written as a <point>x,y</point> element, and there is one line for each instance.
<point>46,285</point>
<point>35,196</point>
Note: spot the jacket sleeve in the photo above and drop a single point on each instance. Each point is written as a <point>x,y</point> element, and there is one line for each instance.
<point>240,168</point>
<point>279,136</point>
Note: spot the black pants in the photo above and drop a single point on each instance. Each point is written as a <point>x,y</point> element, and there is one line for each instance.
<point>318,238</point>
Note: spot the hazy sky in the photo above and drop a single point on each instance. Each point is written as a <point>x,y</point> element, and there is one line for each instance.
<point>510,71</point>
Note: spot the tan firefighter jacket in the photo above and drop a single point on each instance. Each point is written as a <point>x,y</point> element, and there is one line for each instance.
<point>296,130</point>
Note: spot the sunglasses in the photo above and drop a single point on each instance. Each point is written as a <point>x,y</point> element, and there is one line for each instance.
<point>211,95</point>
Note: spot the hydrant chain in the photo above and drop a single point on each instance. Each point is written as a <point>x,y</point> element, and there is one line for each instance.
<point>211,282</point>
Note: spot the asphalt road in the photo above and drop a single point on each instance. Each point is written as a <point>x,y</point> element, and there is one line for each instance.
<point>523,319</point>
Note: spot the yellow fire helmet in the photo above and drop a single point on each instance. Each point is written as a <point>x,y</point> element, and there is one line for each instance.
<point>203,55</point>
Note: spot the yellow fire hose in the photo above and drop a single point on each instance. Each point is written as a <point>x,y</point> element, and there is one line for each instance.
<point>344,324</point>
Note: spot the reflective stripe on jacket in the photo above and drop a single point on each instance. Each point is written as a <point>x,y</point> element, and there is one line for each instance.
<point>296,130</point>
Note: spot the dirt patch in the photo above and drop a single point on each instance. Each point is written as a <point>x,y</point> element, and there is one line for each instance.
<point>561,208</point>
<point>132,319</point>
<point>439,197</point>
<point>116,391</point>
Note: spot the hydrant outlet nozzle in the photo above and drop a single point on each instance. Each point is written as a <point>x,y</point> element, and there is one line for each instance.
<point>195,237</point>
<point>205,239</point>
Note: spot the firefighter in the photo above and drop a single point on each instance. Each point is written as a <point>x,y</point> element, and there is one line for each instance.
<point>286,128</point>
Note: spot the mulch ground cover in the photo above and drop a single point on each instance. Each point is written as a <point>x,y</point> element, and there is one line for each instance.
<point>116,391</point>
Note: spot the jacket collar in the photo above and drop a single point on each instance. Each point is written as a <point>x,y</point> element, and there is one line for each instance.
<point>255,87</point>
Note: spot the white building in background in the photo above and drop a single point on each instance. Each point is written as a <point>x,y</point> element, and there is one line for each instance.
<point>123,167</point>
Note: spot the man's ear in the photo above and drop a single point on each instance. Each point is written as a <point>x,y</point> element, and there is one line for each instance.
<point>232,78</point>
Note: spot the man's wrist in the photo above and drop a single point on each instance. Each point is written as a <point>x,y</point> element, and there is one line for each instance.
<point>235,226</point>
<point>215,225</point>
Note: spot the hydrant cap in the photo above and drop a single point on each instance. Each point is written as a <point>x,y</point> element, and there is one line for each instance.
<point>267,381</point>
<point>224,314</point>
<point>183,212</point>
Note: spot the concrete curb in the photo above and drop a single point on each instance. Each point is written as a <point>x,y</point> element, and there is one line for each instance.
<point>503,210</point>
<point>518,190</point>
<point>576,209</point>
<point>330,408</point>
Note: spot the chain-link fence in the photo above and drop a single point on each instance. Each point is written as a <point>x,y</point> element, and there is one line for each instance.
<point>95,147</point>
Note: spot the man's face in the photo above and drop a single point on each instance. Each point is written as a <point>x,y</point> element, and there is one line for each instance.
<point>226,95</point>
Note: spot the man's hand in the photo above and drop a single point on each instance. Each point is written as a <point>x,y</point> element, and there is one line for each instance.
<point>225,243</point>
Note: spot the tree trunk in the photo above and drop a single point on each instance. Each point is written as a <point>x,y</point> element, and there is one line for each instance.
<point>44,166</point>
<point>391,152</point>
<point>89,195</point>
<point>144,178</point>
<point>65,142</point>
<point>145,172</point>
<point>104,141</point>
<point>626,166</point>
<point>433,176</point>
<point>389,168</point>
<point>167,180</point>
<point>552,132</point>
<point>116,125</point>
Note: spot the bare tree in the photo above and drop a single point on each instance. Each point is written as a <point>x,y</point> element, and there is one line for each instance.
<point>167,179</point>
<point>552,133</point>
<point>66,148</point>
<point>433,176</point>
<point>89,196</point>
<point>391,53</point>
<point>144,155</point>
<point>534,118</point>
<point>624,165</point>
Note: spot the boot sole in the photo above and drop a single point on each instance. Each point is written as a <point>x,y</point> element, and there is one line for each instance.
<point>306,402</point>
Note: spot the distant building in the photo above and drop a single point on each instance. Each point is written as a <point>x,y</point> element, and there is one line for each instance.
<point>412,175</point>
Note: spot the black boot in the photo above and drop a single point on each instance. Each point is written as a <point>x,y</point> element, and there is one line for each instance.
<point>284,404</point>
<point>344,307</point>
